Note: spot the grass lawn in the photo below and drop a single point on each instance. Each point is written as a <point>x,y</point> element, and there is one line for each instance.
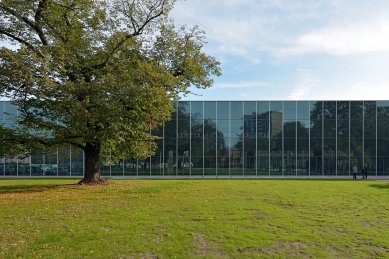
<point>194,218</point>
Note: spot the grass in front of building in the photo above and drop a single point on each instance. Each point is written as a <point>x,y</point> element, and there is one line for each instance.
<point>194,218</point>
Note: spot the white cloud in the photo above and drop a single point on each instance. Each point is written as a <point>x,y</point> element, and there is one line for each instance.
<point>307,80</point>
<point>357,38</point>
<point>240,85</point>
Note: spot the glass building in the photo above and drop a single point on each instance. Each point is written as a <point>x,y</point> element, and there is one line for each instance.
<point>242,138</point>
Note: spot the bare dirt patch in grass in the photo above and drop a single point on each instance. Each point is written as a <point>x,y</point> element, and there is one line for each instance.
<point>290,249</point>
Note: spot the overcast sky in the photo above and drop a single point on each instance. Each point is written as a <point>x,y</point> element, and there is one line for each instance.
<point>294,49</point>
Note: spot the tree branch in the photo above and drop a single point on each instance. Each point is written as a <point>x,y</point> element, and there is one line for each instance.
<point>35,25</point>
<point>21,41</point>
<point>137,31</point>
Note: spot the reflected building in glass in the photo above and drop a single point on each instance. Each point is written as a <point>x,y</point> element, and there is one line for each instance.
<point>241,138</point>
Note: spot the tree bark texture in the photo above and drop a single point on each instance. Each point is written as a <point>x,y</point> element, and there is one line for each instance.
<point>92,164</point>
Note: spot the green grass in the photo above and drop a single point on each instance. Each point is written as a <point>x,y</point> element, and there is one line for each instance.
<point>194,218</point>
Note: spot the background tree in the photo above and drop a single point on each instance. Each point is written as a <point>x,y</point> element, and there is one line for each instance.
<point>96,74</point>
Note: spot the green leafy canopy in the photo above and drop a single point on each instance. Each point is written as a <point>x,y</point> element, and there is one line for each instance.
<point>94,72</point>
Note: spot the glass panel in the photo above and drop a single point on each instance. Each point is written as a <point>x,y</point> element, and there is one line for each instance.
<point>197,147</point>
<point>170,147</point>
<point>210,110</point>
<point>343,138</point>
<point>117,168</point>
<point>236,158</point>
<point>370,137</point>
<point>290,110</point>
<point>316,159</point>
<point>157,159</point>
<point>183,110</point>
<point>197,110</point>
<point>223,110</point>
<point>263,134</point>
<point>130,167</point>
<point>144,167</point>
<point>236,110</point>
<point>223,148</point>
<point>23,166</point>
<point>329,135</point>
<point>289,147</point>
<point>64,161</point>
<point>276,138</point>
<point>302,147</point>
<point>210,146</point>
<point>303,110</point>
<point>10,166</point>
<point>223,138</point>
<point>105,168</point>
<point>249,138</point>
<point>356,134</point>
<point>382,137</point>
<point>36,164</point>
<point>77,161</point>
<point>183,165</point>
<point>50,164</point>
<point>10,113</point>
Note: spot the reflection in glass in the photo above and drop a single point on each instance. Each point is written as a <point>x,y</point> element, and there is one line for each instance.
<point>64,161</point>
<point>382,137</point>
<point>369,144</point>
<point>77,161</point>
<point>263,135</point>
<point>356,134</point>
<point>329,135</point>
<point>249,138</point>
<point>343,115</point>
<point>170,141</point>
<point>316,144</point>
<point>240,138</point>
<point>276,140</point>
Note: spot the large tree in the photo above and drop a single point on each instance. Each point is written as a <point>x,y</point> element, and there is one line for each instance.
<point>95,74</point>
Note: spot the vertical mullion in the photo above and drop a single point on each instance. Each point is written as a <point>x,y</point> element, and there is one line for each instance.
<point>322,138</point>
<point>3,120</point>
<point>58,161</point>
<point>163,150</point>
<point>269,136</point>
<point>70,160</point>
<point>177,138</point>
<point>295,134</point>
<point>363,134</point>
<point>216,138</point>
<point>336,138</point>
<point>376,139</point>
<point>309,139</point>
<point>203,141</point>
<point>349,137</point>
<point>110,163</point>
<point>243,139</point>
<point>229,139</point>
<point>150,152</point>
<point>282,134</point>
<point>256,138</point>
<point>190,138</point>
<point>29,162</point>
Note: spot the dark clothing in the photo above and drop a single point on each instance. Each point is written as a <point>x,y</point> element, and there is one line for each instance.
<point>355,171</point>
<point>364,173</point>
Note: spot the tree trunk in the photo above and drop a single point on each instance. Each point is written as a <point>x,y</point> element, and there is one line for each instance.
<point>92,165</point>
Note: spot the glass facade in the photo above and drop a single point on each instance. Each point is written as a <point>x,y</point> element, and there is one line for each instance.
<point>240,138</point>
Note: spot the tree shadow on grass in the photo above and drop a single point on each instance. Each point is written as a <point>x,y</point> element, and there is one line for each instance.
<point>380,186</point>
<point>33,188</point>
